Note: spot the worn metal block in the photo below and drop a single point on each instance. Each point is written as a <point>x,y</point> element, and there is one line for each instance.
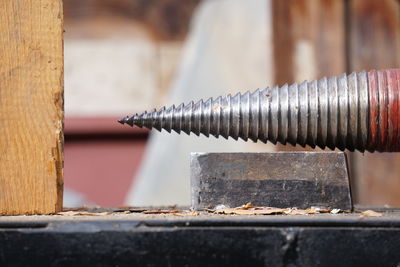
<point>276,179</point>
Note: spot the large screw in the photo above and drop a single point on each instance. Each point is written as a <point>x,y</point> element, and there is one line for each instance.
<point>359,111</point>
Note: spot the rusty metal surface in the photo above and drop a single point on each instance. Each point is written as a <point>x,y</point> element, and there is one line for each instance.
<point>356,111</point>
<point>384,89</point>
<point>276,179</point>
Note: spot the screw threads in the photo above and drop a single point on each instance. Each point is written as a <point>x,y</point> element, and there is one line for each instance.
<point>331,113</point>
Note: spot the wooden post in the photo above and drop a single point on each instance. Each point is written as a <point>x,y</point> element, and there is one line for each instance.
<point>374,43</point>
<point>31,106</point>
<point>308,39</point>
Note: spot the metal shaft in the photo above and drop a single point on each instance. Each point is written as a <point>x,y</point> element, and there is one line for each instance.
<point>358,111</point>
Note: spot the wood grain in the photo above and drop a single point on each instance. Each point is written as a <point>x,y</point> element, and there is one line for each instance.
<point>374,34</point>
<point>374,43</point>
<point>309,39</point>
<point>31,106</point>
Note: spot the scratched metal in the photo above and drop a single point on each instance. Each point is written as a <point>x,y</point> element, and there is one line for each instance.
<point>276,179</point>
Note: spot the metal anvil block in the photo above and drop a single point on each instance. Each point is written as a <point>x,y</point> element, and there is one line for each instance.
<point>276,179</point>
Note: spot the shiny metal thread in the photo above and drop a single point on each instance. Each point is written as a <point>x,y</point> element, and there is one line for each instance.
<point>326,113</point>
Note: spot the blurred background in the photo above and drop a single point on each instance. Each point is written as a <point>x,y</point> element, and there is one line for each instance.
<point>127,56</point>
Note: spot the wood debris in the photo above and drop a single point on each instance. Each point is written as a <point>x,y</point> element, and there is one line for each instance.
<point>335,211</point>
<point>186,213</point>
<point>160,211</point>
<point>371,213</point>
<point>74,209</point>
<point>129,209</point>
<point>295,212</point>
<point>249,209</point>
<point>82,213</point>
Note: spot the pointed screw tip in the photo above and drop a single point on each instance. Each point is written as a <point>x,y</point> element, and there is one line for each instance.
<point>123,120</point>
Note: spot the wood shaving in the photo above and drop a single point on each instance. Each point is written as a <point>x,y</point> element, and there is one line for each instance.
<point>246,206</point>
<point>161,211</point>
<point>335,211</point>
<point>82,213</point>
<point>249,209</point>
<point>296,212</point>
<point>129,209</point>
<point>319,210</point>
<point>74,209</point>
<point>184,214</point>
<point>371,213</point>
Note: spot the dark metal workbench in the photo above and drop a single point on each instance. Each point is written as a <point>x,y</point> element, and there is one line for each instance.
<point>205,240</point>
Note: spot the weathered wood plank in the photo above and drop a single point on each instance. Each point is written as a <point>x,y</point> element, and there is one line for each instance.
<point>374,43</point>
<point>31,106</point>
<point>309,39</point>
<point>374,34</point>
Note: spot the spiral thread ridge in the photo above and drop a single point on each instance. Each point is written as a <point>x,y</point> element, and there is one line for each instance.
<point>329,113</point>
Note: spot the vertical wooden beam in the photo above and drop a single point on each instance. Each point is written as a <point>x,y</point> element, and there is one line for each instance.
<point>374,34</point>
<point>31,106</point>
<point>309,41</point>
<point>374,43</point>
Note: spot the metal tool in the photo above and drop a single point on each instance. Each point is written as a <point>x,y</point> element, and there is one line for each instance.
<point>359,111</point>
